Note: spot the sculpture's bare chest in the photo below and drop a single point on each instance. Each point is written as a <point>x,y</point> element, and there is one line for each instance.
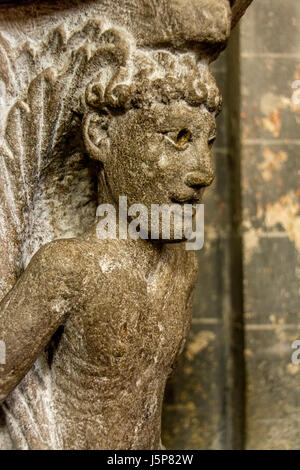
<point>136,315</point>
<point>123,346</point>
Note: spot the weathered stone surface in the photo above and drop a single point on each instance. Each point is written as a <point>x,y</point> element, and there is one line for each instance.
<point>94,98</point>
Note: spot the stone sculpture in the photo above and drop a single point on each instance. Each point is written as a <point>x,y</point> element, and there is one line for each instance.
<point>115,99</point>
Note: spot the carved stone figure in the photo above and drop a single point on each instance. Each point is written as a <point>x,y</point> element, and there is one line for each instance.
<point>116,99</point>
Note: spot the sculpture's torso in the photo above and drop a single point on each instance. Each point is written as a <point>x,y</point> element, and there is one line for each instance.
<point>111,361</point>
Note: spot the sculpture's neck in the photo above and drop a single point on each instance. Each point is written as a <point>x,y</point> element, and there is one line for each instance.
<point>144,246</point>
<point>151,251</point>
<point>105,197</point>
<point>104,192</point>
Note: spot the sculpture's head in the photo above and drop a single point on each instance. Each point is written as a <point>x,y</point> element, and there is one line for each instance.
<point>150,120</point>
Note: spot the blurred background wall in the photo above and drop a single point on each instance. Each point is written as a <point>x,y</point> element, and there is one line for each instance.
<point>236,386</point>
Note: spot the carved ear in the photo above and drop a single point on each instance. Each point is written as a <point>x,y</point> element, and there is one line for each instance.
<point>95,135</point>
<point>238,8</point>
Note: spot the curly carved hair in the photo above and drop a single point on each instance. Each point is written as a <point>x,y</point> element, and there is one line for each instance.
<point>134,78</point>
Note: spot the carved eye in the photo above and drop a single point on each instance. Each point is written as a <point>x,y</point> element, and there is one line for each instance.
<point>179,139</point>
<point>183,137</point>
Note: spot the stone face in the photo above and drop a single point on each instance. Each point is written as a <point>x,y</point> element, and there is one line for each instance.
<point>95,100</point>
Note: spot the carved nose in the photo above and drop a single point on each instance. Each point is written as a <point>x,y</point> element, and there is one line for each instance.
<point>199,168</point>
<point>199,179</point>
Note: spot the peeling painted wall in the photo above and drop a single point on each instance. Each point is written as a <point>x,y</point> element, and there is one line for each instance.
<point>236,386</point>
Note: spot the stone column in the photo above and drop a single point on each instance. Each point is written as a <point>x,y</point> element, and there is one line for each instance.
<point>99,99</point>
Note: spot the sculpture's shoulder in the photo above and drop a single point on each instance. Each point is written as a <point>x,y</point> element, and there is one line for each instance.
<point>64,270</point>
<point>76,260</point>
<point>61,255</point>
<point>59,267</point>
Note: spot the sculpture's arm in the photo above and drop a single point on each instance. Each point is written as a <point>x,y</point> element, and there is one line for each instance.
<point>32,311</point>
